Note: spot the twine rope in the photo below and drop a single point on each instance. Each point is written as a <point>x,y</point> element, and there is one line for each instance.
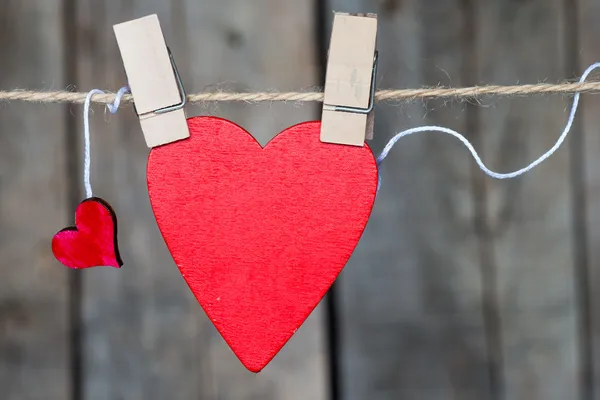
<point>123,96</point>
<point>473,92</point>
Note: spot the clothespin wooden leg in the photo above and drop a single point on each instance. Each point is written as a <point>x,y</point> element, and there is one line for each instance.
<point>350,81</point>
<point>154,81</point>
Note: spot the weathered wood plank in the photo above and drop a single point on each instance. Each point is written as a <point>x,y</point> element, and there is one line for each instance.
<point>34,334</point>
<point>528,221</point>
<point>146,336</point>
<point>587,51</point>
<point>412,321</point>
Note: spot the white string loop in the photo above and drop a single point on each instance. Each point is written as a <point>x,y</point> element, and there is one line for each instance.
<point>87,158</point>
<point>470,147</point>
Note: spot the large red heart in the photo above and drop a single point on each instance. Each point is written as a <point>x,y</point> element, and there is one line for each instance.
<point>93,241</point>
<point>260,234</point>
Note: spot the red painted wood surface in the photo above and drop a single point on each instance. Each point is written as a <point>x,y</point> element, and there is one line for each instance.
<point>260,234</point>
<point>93,241</point>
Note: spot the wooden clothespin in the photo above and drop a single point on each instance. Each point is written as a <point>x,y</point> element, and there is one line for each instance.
<point>350,81</point>
<point>154,81</point>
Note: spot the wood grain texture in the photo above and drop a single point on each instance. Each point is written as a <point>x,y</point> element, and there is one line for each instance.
<point>586,140</point>
<point>412,321</point>
<point>528,229</point>
<point>34,334</point>
<point>260,234</point>
<point>145,335</point>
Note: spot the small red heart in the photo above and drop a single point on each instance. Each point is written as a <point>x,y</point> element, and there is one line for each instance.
<point>93,241</point>
<point>260,234</point>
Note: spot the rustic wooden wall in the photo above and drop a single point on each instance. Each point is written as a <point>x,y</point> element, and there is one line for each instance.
<point>462,287</point>
<point>146,307</point>
<point>34,291</point>
<point>412,320</point>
